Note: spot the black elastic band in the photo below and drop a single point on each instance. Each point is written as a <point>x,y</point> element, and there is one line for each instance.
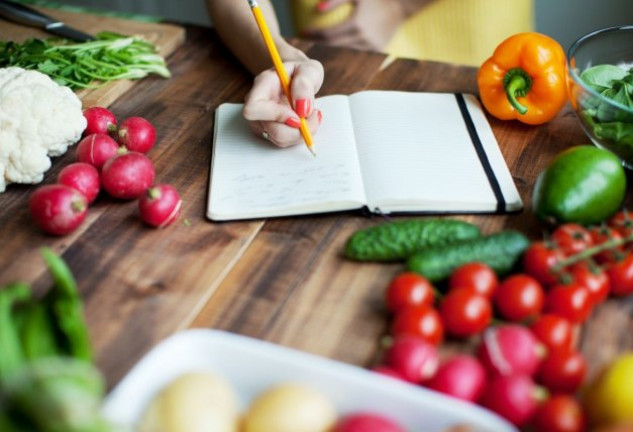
<point>481,153</point>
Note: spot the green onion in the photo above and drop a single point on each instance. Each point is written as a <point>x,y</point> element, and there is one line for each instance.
<point>88,64</point>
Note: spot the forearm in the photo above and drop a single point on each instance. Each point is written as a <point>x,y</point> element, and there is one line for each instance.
<point>409,7</point>
<point>234,23</point>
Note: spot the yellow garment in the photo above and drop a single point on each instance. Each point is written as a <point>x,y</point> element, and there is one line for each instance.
<point>456,31</point>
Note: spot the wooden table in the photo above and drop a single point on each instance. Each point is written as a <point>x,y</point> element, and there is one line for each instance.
<point>282,280</point>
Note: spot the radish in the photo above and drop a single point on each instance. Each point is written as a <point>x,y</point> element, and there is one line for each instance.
<point>100,120</point>
<point>160,205</point>
<point>366,422</point>
<point>83,177</point>
<point>510,349</point>
<point>97,149</point>
<point>58,209</point>
<point>137,134</point>
<point>128,175</point>
<point>388,371</point>
<point>515,398</point>
<point>461,376</point>
<point>413,358</point>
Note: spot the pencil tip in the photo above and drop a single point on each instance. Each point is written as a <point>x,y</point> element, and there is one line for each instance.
<point>312,151</point>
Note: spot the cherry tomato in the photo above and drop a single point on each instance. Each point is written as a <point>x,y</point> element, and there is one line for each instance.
<point>465,312</point>
<point>622,222</point>
<point>560,413</point>
<point>571,301</point>
<point>593,278</point>
<point>600,235</point>
<point>620,275</point>
<point>571,238</point>
<point>562,371</point>
<point>408,289</point>
<point>519,297</point>
<point>475,275</point>
<point>539,260</point>
<point>423,321</point>
<point>555,332</point>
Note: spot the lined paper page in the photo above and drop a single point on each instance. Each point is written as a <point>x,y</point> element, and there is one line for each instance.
<point>252,178</point>
<point>416,153</point>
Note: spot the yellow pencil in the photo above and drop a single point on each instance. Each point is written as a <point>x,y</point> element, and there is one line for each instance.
<point>279,67</point>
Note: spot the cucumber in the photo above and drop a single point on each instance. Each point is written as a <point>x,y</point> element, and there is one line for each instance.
<point>500,251</point>
<point>397,241</point>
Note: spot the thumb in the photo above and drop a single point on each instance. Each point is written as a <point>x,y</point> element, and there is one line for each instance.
<point>328,5</point>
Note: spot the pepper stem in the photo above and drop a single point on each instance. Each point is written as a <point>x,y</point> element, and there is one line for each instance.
<point>517,83</point>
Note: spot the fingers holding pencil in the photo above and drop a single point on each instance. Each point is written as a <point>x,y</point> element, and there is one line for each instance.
<point>267,108</point>
<point>283,134</point>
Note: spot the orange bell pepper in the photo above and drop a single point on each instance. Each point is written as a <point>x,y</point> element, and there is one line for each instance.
<point>524,79</point>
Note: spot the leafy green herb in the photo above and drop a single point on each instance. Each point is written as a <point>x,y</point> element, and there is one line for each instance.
<point>87,64</point>
<point>601,77</point>
<point>612,126</point>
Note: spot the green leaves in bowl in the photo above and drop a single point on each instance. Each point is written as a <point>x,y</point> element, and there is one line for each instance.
<point>607,121</point>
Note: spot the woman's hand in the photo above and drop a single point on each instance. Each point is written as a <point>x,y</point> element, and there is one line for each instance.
<point>267,109</point>
<point>370,27</point>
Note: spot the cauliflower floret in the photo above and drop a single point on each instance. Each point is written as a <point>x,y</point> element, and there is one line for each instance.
<point>21,162</point>
<point>38,118</point>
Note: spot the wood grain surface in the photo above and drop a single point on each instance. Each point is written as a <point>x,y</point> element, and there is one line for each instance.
<point>166,37</point>
<point>282,280</point>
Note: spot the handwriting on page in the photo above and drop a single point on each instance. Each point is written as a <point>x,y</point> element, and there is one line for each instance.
<point>252,176</point>
<point>287,187</point>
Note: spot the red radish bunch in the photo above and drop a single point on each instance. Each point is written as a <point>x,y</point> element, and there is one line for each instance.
<point>514,397</point>
<point>461,376</point>
<point>366,422</point>
<point>58,209</point>
<point>160,205</point>
<point>128,175</point>
<point>83,177</point>
<point>510,349</point>
<point>137,134</point>
<point>413,358</point>
<point>97,149</point>
<point>99,121</point>
<point>113,159</point>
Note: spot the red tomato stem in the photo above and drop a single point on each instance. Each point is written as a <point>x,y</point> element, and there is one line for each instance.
<point>589,252</point>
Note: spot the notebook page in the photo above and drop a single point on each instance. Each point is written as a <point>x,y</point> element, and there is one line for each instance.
<point>252,178</point>
<point>416,153</point>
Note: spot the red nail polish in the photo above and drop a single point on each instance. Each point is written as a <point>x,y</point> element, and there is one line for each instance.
<point>302,107</point>
<point>323,6</point>
<point>293,122</point>
<point>319,116</point>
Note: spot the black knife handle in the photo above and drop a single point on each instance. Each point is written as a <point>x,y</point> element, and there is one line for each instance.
<point>24,15</point>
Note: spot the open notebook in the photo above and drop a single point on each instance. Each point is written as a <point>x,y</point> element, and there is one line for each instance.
<point>389,152</point>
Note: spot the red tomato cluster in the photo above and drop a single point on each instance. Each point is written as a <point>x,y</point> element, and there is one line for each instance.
<point>527,368</point>
<point>113,158</point>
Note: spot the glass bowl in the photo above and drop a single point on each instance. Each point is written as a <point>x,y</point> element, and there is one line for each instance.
<point>600,67</point>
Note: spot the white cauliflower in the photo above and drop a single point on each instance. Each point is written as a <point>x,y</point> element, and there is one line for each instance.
<point>38,119</point>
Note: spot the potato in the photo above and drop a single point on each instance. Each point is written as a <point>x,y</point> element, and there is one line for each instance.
<point>193,402</point>
<point>290,407</point>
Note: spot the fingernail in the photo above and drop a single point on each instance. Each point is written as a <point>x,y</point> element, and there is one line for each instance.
<point>323,6</point>
<point>293,122</point>
<point>302,107</point>
<point>319,116</point>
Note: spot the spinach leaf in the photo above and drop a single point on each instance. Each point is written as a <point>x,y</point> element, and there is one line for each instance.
<point>601,77</point>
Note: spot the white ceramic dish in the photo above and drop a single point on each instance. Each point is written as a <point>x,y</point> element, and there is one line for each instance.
<point>252,366</point>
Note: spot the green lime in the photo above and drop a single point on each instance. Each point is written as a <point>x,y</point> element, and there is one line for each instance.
<point>583,184</point>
